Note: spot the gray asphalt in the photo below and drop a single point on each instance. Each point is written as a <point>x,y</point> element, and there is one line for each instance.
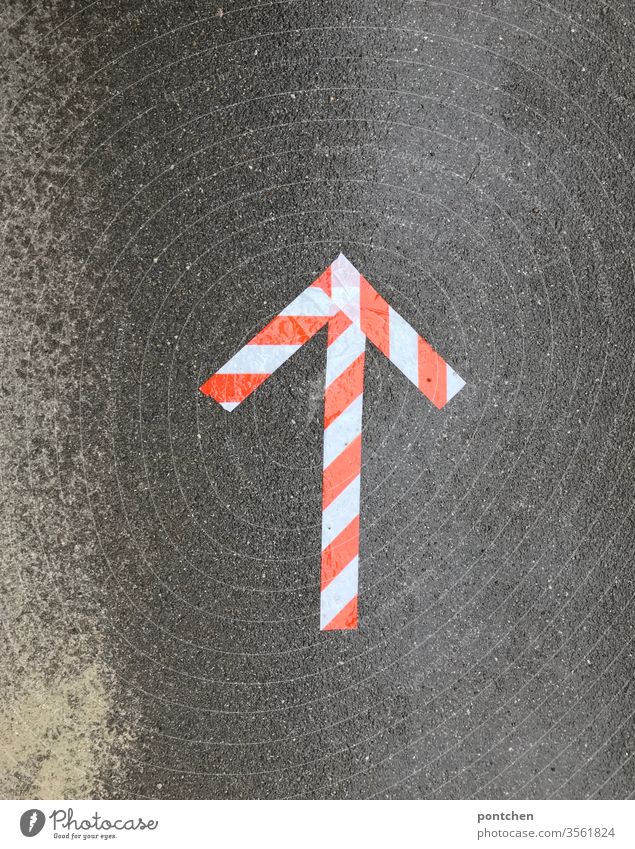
<point>175,173</point>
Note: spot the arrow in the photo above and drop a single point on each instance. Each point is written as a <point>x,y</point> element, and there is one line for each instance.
<point>342,298</point>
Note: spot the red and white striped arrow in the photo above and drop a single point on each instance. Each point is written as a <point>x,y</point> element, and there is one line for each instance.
<point>354,311</point>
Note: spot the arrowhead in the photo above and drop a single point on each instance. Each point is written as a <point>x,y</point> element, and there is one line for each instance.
<point>341,288</point>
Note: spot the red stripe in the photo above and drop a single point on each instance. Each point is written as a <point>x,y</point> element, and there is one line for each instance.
<point>324,281</point>
<point>232,387</point>
<point>340,552</point>
<point>343,390</point>
<point>374,319</point>
<point>337,325</point>
<point>433,378</point>
<point>341,471</point>
<point>290,330</point>
<point>346,619</point>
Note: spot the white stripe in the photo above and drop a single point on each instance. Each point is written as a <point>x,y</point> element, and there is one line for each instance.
<point>336,595</point>
<point>455,382</point>
<point>229,405</point>
<point>404,350</point>
<point>313,301</point>
<point>340,512</point>
<point>345,287</point>
<point>343,430</point>
<point>343,352</point>
<point>258,359</point>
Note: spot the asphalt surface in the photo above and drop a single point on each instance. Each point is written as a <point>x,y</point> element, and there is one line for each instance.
<point>174,174</point>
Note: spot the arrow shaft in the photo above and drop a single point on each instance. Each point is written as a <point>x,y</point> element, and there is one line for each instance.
<point>343,400</point>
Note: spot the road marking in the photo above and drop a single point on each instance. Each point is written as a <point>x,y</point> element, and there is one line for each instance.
<point>354,312</point>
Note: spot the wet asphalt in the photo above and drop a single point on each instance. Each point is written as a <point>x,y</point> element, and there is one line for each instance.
<point>177,172</point>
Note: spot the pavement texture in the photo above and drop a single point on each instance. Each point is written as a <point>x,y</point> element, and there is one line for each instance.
<point>174,173</point>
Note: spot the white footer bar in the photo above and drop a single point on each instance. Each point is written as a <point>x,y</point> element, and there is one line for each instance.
<point>323,824</point>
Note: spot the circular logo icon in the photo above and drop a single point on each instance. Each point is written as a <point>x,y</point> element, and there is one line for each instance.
<point>32,822</point>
